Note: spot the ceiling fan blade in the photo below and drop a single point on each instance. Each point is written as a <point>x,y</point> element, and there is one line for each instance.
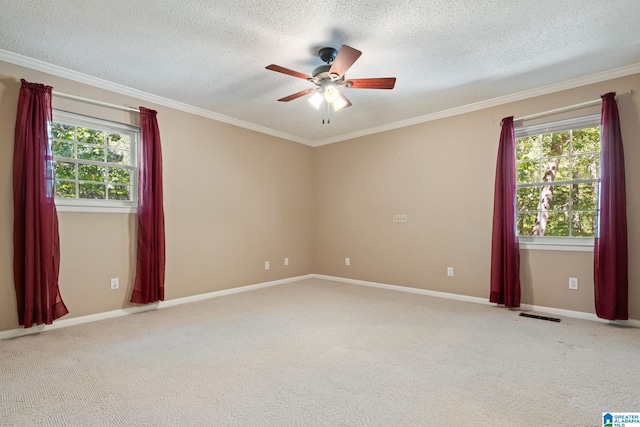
<point>296,95</point>
<point>279,69</point>
<point>374,83</point>
<point>344,60</point>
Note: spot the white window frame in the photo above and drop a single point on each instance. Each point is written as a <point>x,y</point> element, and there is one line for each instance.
<point>102,206</point>
<point>577,244</point>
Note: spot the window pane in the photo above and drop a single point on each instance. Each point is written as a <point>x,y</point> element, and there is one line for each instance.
<point>526,221</point>
<point>528,148</point>
<point>560,200</point>
<point>92,191</point>
<point>119,192</point>
<point>64,170</point>
<point>586,140</point>
<point>583,197</point>
<point>63,149</point>
<point>555,144</point>
<point>555,169</point>
<point>90,152</point>
<point>586,166</point>
<point>549,160</point>
<point>94,161</point>
<point>92,173</point>
<point>66,132</point>
<point>528,198</point>
<point>119,142</point>
<point>66,189</point>
<point>120,176</point>
<point>122,157</point>
<point>528,172</point>
<point>583,224</point>
<point>557,224</point>
<point>90,136</point>
<point>563,168</point>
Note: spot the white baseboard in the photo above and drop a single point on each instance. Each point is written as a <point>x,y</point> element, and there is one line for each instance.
<point>485,301</point>
<point>411,290</point>
<point>200,297</point>
<point>63,323</point>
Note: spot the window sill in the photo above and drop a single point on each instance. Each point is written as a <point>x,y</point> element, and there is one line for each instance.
<point>94,207</point>
<point>575,244</point>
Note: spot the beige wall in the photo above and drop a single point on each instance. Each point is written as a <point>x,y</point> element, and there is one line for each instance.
<point>234,198</point>
<point>441,174</point>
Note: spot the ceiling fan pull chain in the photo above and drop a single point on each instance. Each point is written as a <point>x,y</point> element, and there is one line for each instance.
<point>328,106</point>
<point>325,114</point>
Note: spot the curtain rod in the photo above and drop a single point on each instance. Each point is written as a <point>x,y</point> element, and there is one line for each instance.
<point>93,101</point>
<point>561,109</point>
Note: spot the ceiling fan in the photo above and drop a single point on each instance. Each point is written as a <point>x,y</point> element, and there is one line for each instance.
<point>330,77</point>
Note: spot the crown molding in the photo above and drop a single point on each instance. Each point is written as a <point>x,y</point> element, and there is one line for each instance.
<point>58,71</point>
<point>494,102</point>
<point>66,73</point>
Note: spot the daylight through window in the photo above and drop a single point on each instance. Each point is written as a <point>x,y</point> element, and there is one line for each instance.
<point>95,161</point>
<point>558,175</point>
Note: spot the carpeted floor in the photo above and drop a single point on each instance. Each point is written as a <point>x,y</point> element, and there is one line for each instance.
<point>319,353</point>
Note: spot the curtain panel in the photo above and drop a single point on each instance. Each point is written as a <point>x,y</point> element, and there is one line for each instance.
<point>150,265</point>
<point>505,248</point>
<point>36,244</point>
<point>610,267</point>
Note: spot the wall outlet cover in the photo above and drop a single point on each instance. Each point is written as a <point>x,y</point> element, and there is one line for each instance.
<point>573,283</point>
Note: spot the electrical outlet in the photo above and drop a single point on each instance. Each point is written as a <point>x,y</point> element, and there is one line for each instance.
<point>115,283</point>
<point>573,283</point>
<point>266,265</point>
<point>347,261</point>
<point>286,261</point>
<point>450,271</point>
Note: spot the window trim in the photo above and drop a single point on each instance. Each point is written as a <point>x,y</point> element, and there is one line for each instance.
<point>554,243</point>
<point>102,206</point>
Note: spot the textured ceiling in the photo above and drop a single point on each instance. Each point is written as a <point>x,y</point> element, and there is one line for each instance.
<point>211,54</point>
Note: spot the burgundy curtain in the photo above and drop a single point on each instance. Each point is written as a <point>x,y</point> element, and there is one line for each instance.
<point>610,267</point>
<point>36,244</point>
<point>505,250</point>
<point>149,282</point>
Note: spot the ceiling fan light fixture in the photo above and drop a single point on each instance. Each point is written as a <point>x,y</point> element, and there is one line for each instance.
<point>339,104</point>
<point>331,94</point>
<point>316,100</point>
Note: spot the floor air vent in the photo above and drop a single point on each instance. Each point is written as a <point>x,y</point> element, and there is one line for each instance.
<point>535,316</point>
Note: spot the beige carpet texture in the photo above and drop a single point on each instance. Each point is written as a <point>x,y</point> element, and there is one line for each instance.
<point>321,353</point>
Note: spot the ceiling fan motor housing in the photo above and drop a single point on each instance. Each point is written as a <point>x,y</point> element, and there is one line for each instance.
<point>321,75</point>
<point>321,71</point>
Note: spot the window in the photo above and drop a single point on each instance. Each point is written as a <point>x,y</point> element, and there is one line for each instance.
<point>558,174</point>
<point>95,163</point>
